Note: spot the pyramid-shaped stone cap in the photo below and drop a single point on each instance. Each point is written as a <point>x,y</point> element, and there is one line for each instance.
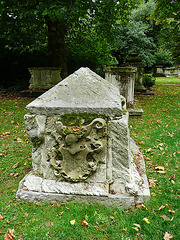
<point>82,91</point>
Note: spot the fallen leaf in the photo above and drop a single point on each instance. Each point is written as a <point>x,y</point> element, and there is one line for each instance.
<point>161,171</point>
<point>159,168</point>
<point>152,182</point>
<point>135,228</point>
<point>96,227</point>
<point>162,207</point>
<point>9,235</point>
<point>170,135</point>
<point>1,217</point>
<point>19,140</point>
<point>149,163</point>
<point>167,236</point>
<point>112,218</point>
<point>124,229</point>
<point>84,223</point>
<point>61,213</point>
<point>166,218</point>
<point>112,192</point>
<point>172,181</point>
<point>15,165</point>
<point>146,220</point>
<point>137,225</point>
<point>172,176</point>
<point>16,174</point>
<point>171,211</point>
<point>73,222</point>
<point>141,206</point>
<point>161,144</point>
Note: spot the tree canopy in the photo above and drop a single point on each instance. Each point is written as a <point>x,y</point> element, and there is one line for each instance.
<point>28,25</point>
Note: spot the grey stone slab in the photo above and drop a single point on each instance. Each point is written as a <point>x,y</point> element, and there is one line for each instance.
<point>31,182</point>
<point>83,91</point>
<point>112,200</point>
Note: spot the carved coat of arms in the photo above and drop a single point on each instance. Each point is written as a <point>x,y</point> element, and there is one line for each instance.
<point>75,157</point>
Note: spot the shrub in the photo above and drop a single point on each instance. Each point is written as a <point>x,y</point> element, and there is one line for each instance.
<point>148,81</point>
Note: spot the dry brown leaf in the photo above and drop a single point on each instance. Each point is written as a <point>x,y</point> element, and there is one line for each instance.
<point>161,168</point>
<point>16,174</point>
<point>137,225</point>
<point>166,218</point>
<point>15,165</point>
<point>19,140</point>
<point>1,217</point>
<point>96,227</point>
<point>171,211</point>
<point>84,223</point>
<point>167,236</point>
<point>135,228</point>
<point>162,207</point>
<point>149,163</point>
<point>9,235</point>
<point>61,213</point>
<point>112,218</point>
<point>172,176</point>
<point>141,206</point>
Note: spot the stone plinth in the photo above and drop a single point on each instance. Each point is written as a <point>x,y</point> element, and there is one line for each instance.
<point>135,61</point>
<point>124,79</point>
<point>44,77</point>
<point>81,148</point>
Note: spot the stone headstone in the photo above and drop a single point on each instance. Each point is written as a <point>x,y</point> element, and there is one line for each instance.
<point>81,148</point>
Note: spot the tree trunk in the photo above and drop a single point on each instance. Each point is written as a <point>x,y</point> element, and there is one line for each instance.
<point>57,46</point>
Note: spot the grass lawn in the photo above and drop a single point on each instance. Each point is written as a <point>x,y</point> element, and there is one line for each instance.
<point>157,135</point>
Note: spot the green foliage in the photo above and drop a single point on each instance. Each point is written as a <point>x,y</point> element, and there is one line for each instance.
<point>132,38</point>
<point>167,11</point>
<point>148,81</point>
<point>163,57</point>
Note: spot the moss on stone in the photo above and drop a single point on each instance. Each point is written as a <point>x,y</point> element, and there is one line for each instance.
<point>80,119</point>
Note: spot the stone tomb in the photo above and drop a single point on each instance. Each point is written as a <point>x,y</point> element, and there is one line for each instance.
<point>81,148</point>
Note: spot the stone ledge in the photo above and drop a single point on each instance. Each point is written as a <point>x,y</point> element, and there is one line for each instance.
<point>135,113</point>
<point>112,200</point>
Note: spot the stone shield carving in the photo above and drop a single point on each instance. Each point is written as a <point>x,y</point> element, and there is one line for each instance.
<point>77,157</point>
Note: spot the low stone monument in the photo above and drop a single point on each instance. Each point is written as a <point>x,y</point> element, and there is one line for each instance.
<point>135,61</point>
<point>81,148</point>
<point>44,77</point>
<point>167,71</point>
<point>124,79</point>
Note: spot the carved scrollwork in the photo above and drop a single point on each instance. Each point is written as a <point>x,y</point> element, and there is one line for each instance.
<point>77,157</point>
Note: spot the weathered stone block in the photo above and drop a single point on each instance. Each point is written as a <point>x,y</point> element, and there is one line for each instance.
<point>81,146</point>
<point>44,77</point>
